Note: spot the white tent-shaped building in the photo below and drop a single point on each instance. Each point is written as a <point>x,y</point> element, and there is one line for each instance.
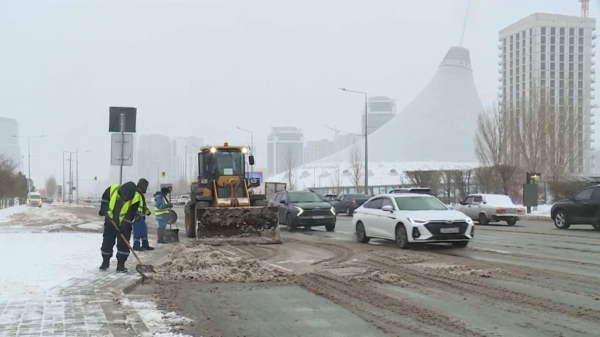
<point>435,131</point>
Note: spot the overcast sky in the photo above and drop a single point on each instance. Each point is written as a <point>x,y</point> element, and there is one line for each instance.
<point>202,67</point>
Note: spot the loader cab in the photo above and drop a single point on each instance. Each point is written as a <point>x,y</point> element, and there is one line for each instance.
<point>215,162</point>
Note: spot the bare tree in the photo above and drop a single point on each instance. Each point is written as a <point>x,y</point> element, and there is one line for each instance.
<point>8,183</point>
<point>429,179</point>
<point>491,139</point>
<point>504,173</point>
<point>462,180</point>
<point>357,167</point>
<point>563,129</point>
<point>290,169</point>
<point>447,182</point>
<point>527,125</point>
<point>51,187</point>
<point>484,176</point>
<point>336,178</point>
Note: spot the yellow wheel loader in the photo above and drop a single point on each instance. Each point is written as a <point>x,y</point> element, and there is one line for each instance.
<point>221,210</point>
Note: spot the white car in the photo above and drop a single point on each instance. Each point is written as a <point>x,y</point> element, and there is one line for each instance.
<point>34,200</point>
<point>411,218</point>
<point>183,199</point>
<point>486,208</point>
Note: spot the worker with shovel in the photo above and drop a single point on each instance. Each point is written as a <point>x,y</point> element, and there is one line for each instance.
<point>162,212</point>
<point>119,208</point>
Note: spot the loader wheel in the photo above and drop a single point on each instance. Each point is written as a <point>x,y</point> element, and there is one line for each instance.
<point>190,220</point>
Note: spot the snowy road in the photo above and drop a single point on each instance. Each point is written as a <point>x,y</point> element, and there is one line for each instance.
<point>529,280</point>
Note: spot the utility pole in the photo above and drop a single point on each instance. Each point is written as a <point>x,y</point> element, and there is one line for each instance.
<point>62,193</point>
<point>29,159</point>
<point>77,175</point>
<point>185,164</point>
<point>70,177</point>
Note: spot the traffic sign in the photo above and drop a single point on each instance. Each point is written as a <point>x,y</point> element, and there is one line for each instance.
<point>115,149</point>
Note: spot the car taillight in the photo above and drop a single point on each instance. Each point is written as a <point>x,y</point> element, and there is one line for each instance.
<point>500,210</point>
<point>521,211</point>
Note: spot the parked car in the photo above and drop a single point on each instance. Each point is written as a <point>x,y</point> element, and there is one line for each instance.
<point>47,200</point>
<point>347,203</point>
<point>486,208</point>
<point>331,198</point>
<point>34,200</point>
<point>583,208</point>
<point>303,208</point>
<point>411,218</point>
<point>182,200</point>
<point>418,190</point>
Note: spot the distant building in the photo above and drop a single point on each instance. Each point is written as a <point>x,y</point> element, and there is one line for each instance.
<point>381,110</point>
<point>153,155</point>
<point>317,149</point>
<point>346,140</point>
<point>284,145</point>
<point>185,157</point>
<point>552,56</point>
<point>9,144</point>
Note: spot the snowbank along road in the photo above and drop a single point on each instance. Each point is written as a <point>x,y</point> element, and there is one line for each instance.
<point>529,280</point>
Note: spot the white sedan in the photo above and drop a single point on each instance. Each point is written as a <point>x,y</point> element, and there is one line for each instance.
<point>411,218</point>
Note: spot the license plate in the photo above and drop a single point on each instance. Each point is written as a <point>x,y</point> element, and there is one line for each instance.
<point>318,217</point>
<point>449,230</point>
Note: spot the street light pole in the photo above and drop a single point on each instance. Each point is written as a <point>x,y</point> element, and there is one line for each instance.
<point>251,148</point>
<point>29,159</point>
<point>366,136</point>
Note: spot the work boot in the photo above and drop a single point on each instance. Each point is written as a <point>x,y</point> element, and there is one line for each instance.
<point>161,235</point>
<point>146,245</point>
<point>105,263</point>
<point>136,245</point>
<point>121,267</point>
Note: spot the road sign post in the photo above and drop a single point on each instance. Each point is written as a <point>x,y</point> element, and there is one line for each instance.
<point>119,116</point>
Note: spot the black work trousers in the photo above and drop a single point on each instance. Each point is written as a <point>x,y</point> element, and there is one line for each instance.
<point>110,235</point>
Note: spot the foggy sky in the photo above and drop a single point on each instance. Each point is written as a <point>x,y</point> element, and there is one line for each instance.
<point>200,68</point>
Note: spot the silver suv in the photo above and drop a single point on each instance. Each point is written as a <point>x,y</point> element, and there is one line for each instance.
<point>486,208</point>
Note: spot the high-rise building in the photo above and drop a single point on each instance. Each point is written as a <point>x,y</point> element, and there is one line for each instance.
<point>547,59</point>
<point>381,110</point>
<point>9,141</point>
<point>285,146</point>
<point>185,157</point>
<point>317,149</point>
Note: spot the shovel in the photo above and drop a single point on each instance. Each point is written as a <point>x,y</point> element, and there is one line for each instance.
<point>172,235</point>
<point>141,268</point>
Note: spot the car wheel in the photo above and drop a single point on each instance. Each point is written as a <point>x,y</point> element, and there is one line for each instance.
<point>560,220</point>
<point>460,244</point>
<point>348,211</point>
<point>290,223</point>
<point>511,222</point>
<point>402,238</point>
<point>361,234</point>
<point>330,227</point>
<point>483,220</point>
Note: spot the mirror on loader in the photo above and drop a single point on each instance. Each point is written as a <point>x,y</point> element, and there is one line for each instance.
<point>251,160</point>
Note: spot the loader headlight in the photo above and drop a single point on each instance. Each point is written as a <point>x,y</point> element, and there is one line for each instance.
<point>418,221</point>
<point>244,150</point>
<point>299,210</point>
<point>332,210</point>
<point>203,181</point>
<point>213,149</point>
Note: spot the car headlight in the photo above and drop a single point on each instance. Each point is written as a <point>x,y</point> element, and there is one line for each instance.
<point>469,220</point>
<point>299,210</point>
<point>418,221</point>
<point>332,210</point>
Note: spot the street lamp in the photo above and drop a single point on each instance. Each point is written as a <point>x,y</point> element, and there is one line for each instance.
<point>366,136</point>
<point>251,148</point>
<point>77,152</point>
<point>29,158</point>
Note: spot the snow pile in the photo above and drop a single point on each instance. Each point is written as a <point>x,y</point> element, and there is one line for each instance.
<point>6,213</point>
<point>43,216</point>
<point>35,262</point>
<point>160,323</point>
<point>204,263</point>
<point>97,225</point>
<point>380,277</point>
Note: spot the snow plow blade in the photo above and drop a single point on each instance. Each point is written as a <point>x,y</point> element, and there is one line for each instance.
<point>237,225</point>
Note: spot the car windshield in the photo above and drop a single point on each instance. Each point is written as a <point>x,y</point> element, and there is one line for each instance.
<point>498,200</point>
<point>304,197</point>
<point>34,197</point>
<point>420,204</point>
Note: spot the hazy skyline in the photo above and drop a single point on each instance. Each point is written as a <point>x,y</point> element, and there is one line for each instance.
<point>200,68</point>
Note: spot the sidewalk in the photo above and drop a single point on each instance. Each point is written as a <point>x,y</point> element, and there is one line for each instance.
<point>80,307</point>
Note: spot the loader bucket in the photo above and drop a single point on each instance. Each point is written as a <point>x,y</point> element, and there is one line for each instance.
<point>237,225</point>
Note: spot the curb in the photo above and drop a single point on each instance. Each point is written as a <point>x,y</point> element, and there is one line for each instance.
<point>537,217</point>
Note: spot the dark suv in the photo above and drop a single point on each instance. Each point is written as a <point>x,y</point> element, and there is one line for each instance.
<point>303,208</point>
<point>583,208</point>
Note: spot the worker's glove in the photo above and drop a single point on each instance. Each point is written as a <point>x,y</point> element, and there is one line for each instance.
<point>169,205</point>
